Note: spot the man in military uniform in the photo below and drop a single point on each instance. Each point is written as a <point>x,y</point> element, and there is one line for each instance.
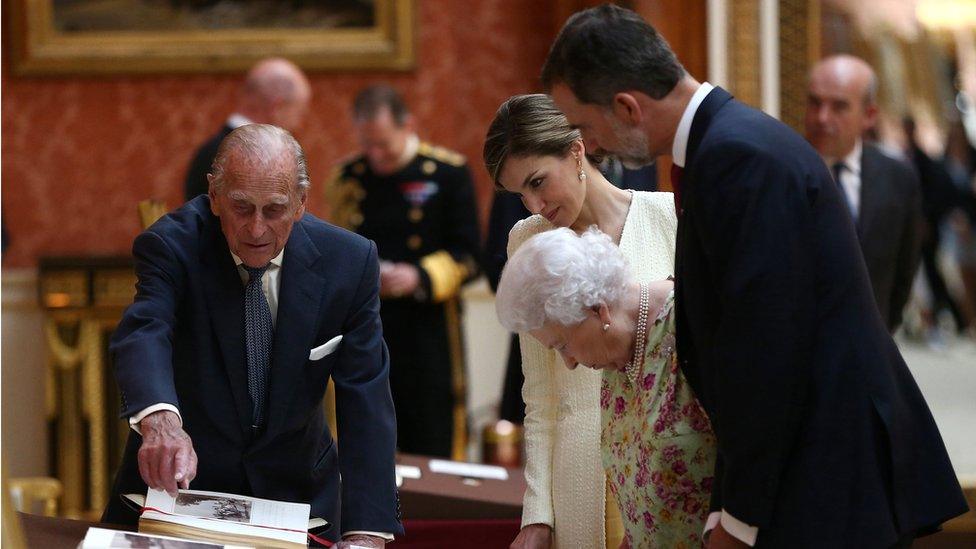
<point>416,201</point>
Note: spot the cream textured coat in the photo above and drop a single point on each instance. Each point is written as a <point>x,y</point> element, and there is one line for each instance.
<point>563,470</point>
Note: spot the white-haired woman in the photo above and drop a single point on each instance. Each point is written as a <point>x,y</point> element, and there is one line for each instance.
<point>532,151</point>
<point>574,294</point>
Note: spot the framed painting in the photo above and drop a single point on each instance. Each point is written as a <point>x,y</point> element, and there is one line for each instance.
<point>167,36</point>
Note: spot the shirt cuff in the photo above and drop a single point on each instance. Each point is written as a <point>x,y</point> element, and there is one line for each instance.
<point>134,420</point>
<point>735,527</point>
<point>711,523</point>
<point>384,535</point>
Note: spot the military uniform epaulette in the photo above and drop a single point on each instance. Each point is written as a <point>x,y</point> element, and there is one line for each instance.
<point>441,154</point>
<point>353,165</point>
<point>344,192</point>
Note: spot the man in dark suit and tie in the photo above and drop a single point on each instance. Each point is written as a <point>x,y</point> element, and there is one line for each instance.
<point>882,192</point>
<point>245,307</point>
<point>824,439</point>
<point>276,92</point>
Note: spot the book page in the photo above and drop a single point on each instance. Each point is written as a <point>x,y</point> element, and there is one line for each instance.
<point>471,470</point>
<point>408,471</point>
<point>101,538</point>
<point>230,513</point>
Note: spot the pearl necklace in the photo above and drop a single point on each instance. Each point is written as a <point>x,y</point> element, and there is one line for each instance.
<point>633,367</point>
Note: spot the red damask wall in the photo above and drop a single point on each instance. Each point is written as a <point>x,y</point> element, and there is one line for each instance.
<point>79,153</point>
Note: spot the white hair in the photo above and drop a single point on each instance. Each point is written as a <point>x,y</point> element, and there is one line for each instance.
<point>261,145</point>
<point>556,276</point>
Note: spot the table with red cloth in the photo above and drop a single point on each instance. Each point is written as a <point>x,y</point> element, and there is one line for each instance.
<point>438,511</point>
<point>438,496</point>
<point>44,532</point>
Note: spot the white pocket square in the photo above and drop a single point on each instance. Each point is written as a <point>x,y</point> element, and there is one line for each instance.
<point>325,349</point>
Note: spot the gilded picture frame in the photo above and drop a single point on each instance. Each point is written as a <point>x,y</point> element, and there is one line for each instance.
<point>43,46</point>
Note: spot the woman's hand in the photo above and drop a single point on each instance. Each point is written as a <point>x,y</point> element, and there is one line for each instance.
<point>533,536</point>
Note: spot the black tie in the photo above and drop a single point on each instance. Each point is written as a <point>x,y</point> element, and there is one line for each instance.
<point>838,168</point>
<point>258,336</point>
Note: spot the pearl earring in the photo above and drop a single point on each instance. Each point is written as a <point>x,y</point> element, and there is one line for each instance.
<point>606,327</point>
<point>579,165</point>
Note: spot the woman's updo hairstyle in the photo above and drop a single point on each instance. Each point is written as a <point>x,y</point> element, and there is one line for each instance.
<point>526,125</point>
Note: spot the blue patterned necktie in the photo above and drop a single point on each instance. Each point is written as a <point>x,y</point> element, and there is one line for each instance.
<point>258,336</point>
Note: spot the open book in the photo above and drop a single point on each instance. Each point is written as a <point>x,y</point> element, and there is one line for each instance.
<point>102,538</point>
<point>226,518</point>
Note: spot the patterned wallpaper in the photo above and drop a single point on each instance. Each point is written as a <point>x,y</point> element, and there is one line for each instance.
<point>79,153</point>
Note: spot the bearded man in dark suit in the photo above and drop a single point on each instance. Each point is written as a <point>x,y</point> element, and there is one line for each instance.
<point>824,439</point>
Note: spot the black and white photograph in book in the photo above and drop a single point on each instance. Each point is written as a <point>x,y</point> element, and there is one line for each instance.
<point>223,508</point>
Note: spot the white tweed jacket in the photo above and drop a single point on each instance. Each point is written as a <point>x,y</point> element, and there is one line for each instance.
<point>563,470</point>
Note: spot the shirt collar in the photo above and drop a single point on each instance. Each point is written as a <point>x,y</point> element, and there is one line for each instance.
<point>853,159</point>
<point>276,261</point>
<point>680,147</point>
<point>409,150</point>
<point>851,162</point>
<point>237,120</point>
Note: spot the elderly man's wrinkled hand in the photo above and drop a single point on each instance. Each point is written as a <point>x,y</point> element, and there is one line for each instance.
<point>167,460</point>
<point>361,540</point>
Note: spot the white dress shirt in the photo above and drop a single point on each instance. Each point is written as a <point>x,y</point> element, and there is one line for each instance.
<point>271,286</point>
<point>679,150</point>
<point>850,176</point>
<point>236,120</point>
<point>271,282</point>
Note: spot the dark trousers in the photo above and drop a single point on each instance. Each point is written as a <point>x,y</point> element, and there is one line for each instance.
<point>905,541</point>
<point>940,292</point>
<point>421,378</point>
<point>513,407</point>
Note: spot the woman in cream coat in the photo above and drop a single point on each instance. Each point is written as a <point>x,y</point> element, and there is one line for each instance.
<point>531,150</point>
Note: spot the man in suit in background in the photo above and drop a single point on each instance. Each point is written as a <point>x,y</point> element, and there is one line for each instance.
<point>275,92</point>
<point>824,439</point>
<point>882,192</point>
<point>245,307</point>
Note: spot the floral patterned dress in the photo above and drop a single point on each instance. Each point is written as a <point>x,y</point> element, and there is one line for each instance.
<point>658,446</point>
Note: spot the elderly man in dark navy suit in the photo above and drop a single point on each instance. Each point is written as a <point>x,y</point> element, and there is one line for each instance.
<point>245,307</point>
<point>824,439</point>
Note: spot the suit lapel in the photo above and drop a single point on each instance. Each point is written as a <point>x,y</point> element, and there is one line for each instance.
<point>685,238</point>
<point>871,195</point>
<point>225,294</point>
<point>702,120</point>
<point>299,298</point>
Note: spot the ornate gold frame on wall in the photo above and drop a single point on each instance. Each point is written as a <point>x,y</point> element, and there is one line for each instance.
<point>41,49</point>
